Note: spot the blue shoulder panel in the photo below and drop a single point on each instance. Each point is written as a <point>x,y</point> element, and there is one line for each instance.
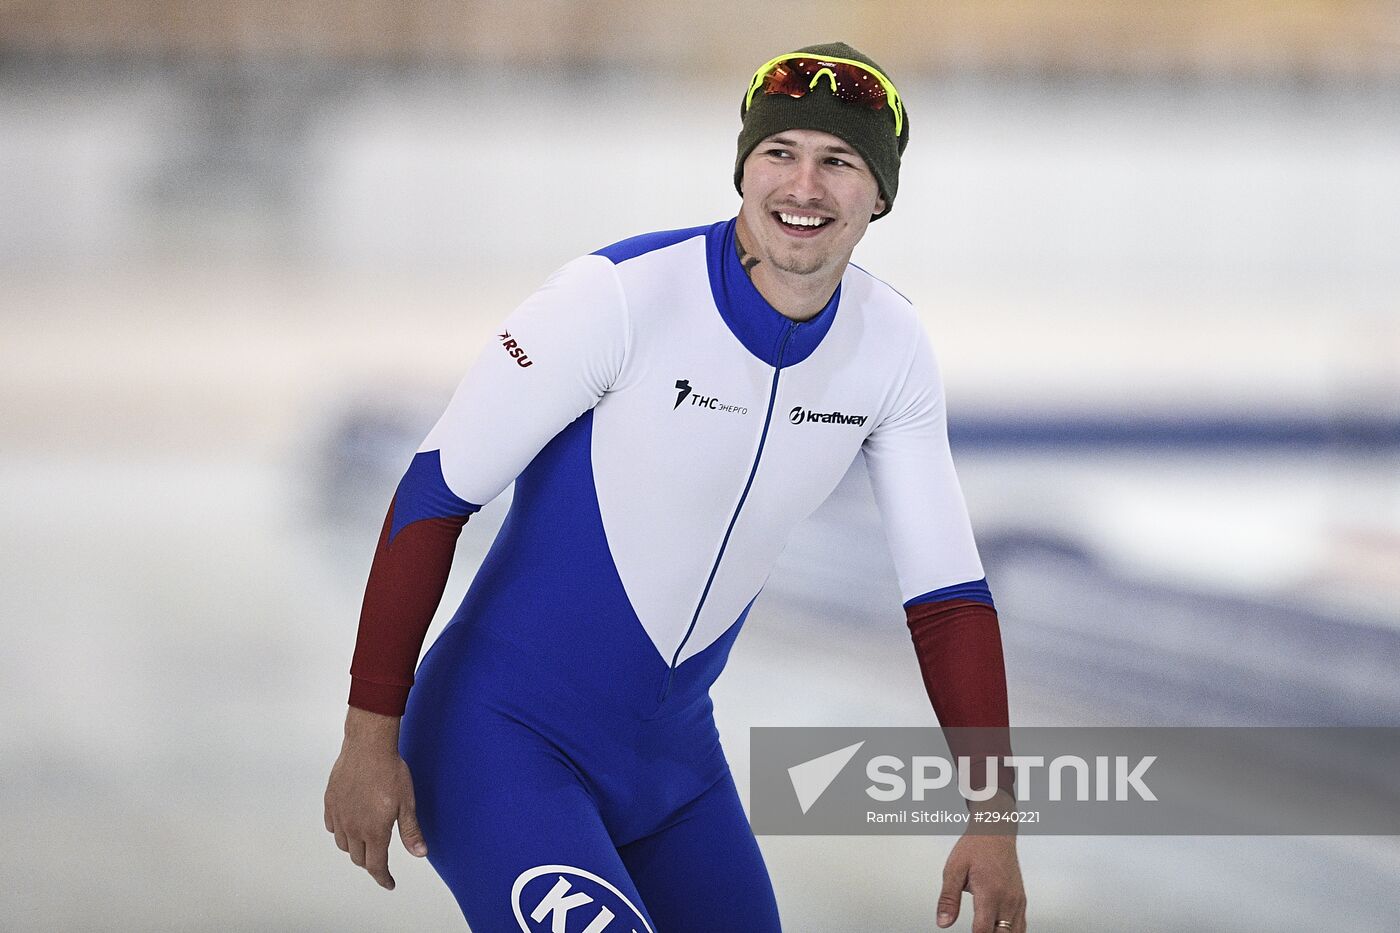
<point>632,247</point>
<point>974,590</point>
<point>423,493</point>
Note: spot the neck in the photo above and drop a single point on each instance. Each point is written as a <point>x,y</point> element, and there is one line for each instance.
<point>795,296</point>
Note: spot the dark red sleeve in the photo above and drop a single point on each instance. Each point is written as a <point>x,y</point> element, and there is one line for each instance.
<point>958,643</point>
<point>405,586</point>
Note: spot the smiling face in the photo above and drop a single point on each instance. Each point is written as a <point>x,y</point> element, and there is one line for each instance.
<point>808,197</point>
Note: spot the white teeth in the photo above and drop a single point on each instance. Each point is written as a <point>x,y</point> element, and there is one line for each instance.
<point>800,221</point>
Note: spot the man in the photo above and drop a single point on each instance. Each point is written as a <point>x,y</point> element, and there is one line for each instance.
<point>668,408</point>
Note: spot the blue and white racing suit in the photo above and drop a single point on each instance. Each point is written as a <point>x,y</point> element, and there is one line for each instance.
<point>665,429</point>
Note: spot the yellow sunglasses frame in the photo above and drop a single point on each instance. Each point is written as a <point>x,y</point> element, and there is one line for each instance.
<point>891,93</point>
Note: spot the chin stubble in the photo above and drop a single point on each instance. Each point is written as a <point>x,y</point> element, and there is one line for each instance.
<point>794,267</point>
<point>812,265</point>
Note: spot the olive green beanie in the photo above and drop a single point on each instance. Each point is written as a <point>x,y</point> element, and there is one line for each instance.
<point>869,132</point>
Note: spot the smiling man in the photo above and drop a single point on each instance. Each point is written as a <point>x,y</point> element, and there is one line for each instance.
<point>689,397</point>
<point>809,199</point>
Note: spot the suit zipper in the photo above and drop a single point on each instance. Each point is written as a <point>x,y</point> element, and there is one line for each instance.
<point>753,471</point>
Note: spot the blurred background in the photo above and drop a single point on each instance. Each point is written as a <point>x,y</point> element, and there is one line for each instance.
<point>248,248</point>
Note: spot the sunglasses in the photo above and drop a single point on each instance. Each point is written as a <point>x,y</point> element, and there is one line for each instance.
<point>796,73</point>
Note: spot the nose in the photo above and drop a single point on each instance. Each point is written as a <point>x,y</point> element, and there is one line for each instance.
<point>805,182</point>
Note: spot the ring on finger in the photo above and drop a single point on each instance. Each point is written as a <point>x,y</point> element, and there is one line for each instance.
<point>1003,924</point>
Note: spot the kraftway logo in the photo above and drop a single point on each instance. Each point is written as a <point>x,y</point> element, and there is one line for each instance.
<point>515,350</point>
<point>683,391</point>
<point>550,892</point>
<point>800,415</point>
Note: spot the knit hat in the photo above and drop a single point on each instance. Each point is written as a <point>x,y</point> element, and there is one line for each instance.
<point>869,132</point>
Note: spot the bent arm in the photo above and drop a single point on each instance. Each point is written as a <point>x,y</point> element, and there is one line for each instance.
<point>552,360</point>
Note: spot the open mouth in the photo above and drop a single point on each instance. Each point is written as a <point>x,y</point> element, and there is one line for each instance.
<point>800,223</point>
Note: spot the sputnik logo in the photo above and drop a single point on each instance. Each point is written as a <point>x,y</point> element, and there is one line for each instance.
<point>811,778</point>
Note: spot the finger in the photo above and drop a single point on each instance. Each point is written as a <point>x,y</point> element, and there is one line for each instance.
<point>997,915</point>
<point>950,898</point>
<point>1007,922</point>
<point>987,909</point>
<point>330,823</point>
<point>1017,917</point>
<point>1012,910</point>
<point>377,863</point>
<point>410,833</point>
<point>342,841</point>
<point>357,852</point>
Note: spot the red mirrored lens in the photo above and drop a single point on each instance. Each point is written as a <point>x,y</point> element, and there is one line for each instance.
<point>854,85</point>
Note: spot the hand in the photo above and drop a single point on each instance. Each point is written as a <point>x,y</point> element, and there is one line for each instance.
<point>369,789</point>
<point>986,866</point>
